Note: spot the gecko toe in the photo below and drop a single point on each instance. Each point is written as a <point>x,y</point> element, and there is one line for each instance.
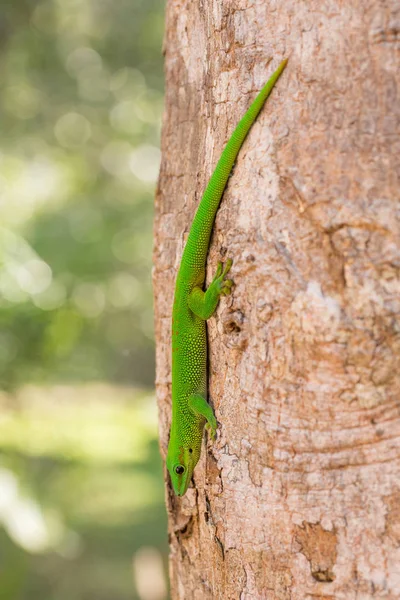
<point>228,266</point>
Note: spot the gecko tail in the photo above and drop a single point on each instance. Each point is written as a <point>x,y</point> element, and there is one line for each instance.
<point>205,215</point>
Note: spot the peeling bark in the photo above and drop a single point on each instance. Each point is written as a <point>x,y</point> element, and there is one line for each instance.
<point>299,498</point>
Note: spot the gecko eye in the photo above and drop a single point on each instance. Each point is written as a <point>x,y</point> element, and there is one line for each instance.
<point>179,469</point>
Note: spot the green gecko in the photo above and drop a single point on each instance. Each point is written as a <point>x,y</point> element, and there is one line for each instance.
<point>192,307</point>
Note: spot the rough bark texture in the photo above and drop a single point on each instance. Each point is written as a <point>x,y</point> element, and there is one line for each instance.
<point>299,498</point>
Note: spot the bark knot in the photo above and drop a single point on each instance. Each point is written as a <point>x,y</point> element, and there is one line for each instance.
<point>319,547</point>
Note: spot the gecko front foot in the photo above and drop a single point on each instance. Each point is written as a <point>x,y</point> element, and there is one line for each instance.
<point>199,405</point>
<point>212,430</point>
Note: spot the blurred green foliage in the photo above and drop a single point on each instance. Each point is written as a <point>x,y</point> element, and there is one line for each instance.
<point>81,492</point>
<point>81,486</point>
<point>81,98</point>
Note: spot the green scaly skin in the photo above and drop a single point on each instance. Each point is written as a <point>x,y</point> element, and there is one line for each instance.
<point>192,307</point>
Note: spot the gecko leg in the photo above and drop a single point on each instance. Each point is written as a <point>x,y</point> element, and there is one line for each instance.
<point>203,304</point>
<point>200,406</point>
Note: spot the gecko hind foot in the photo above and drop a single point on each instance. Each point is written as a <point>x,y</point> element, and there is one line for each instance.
<point>224,286</point>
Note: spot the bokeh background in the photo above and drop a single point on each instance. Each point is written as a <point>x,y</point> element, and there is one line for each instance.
<point>82,512</point>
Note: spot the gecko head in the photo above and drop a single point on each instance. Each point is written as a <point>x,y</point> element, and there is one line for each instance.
<point>180,464</point>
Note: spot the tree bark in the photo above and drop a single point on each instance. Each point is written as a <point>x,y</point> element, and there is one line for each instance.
<point>299,498</point>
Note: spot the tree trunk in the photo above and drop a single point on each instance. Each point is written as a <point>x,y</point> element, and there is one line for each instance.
<point>300,496</point>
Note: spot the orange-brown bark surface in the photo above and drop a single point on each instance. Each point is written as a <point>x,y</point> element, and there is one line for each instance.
<point>299,497</point>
